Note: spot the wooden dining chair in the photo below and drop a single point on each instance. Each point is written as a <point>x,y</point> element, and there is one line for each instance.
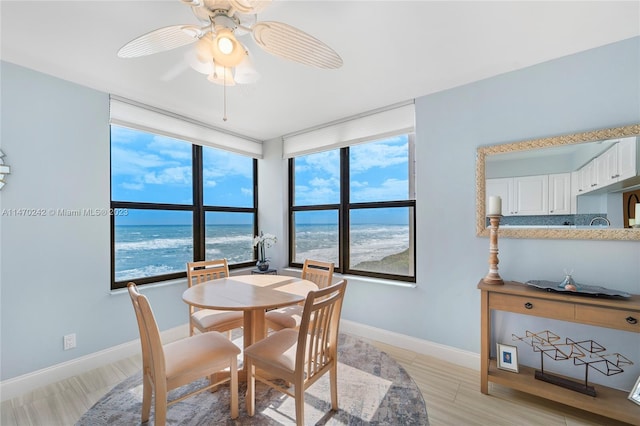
<point>170,366</point>
<point>210,319</point>
<point>321,273</point>
<point>300,356</point>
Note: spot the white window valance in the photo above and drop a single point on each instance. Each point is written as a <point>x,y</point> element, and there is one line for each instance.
<point>131,114</point>
<point>379,124</point>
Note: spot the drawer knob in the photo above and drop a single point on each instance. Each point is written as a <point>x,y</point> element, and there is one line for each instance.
<point>632,320</point>
<point>529,305</point>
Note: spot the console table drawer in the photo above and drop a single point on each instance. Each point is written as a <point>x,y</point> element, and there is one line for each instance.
<point>531,306</point>
<point>612,318</point>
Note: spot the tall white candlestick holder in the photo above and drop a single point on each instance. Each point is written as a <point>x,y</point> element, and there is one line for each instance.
<point>492,276</point>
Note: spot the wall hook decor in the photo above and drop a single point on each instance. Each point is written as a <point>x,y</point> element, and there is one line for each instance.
<point>4,170</point>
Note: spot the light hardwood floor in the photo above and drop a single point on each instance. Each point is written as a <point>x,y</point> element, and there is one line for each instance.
<point>451,394</point>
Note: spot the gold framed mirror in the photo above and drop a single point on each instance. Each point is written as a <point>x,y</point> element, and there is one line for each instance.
<point>527,150</point>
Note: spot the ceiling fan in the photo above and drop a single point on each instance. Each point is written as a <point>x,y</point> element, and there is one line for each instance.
<point>219,54</point>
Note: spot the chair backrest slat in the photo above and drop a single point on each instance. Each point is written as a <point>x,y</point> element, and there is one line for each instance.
<point>319,327</point>
<point>206,270</point>
<point>321,273</point>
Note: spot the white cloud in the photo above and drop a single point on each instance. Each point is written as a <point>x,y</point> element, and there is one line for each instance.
<point>390,189</point>
<point>318,182</point>
<point>171,175</point>
<point>138,186</point>
<point>131,162</point>
<point>368,156</point>
<point>328,163</point>
<point>218,163</point>
<point>170,148</point>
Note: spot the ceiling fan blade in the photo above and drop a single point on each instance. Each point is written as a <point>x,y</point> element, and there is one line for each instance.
<point>162,39</point>
<point>291,43</point>
<point>249,6</point>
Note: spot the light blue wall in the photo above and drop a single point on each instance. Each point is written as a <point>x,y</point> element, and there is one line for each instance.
<point>54,272</point>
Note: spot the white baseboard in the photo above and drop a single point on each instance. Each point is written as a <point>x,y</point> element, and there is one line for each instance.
<point>447,353</point>
<point>20,385</point>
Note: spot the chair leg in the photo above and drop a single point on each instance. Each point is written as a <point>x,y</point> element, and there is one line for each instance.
<point>299,401</point>
<point>333,382</point>
<point>233,371</point>
<point>147,391</point>
<point>160,415</point>
<point>251,388</point>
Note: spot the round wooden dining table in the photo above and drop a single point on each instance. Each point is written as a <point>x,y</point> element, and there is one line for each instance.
<point>252,294</point>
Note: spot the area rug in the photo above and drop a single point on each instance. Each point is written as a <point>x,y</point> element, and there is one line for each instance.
<point>373,389</point>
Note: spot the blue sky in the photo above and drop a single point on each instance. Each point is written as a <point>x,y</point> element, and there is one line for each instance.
<point>153,168</point>
<point>378,171</point>
<point>157,169</point>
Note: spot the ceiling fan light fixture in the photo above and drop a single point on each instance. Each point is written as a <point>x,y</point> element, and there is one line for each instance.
<point>245,72</point>
<point>226,50</point>
<point>225,45</point>
<point>222,75</point>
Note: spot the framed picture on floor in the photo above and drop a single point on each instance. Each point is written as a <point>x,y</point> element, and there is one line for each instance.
<point>635,392</point>
<point>507,357</point>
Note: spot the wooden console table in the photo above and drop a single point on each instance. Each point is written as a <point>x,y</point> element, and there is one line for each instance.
<point>620,314</point>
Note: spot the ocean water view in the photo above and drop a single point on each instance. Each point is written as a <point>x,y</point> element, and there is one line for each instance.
<point>148,250</point>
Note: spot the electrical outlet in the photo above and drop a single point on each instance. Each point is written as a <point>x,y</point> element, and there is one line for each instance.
<point>69,341</point>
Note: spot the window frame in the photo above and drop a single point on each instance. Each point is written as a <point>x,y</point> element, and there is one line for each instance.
<point>344,207</point>
<point>197,208</point>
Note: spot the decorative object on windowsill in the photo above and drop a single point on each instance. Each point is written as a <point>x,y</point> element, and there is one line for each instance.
<point>4,170</point>
<point>495,213</point>
<point>262,242</point>
<point>587,352</point>
<point>581,289</point>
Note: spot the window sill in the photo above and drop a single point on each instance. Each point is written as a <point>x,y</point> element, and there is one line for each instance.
<point>181,281</point>
<point>370,280</point>
<point>360,278</point>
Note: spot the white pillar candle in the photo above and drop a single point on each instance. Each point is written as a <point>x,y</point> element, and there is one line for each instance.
<point>495,205</point>
<point>632,222</point>
<point>637,213</point>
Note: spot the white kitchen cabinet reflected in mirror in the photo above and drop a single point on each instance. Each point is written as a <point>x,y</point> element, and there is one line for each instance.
<point>571,186</point>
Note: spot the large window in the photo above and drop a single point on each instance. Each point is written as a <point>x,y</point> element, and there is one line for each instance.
<point>355,207</point>
<point>175,202</point>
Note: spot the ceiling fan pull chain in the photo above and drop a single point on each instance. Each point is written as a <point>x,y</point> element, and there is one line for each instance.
<point>224,117</point>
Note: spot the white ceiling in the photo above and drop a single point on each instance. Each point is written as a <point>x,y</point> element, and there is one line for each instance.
<point>393,51</point>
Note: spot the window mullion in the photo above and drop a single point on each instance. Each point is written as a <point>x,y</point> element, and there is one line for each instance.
<point>199,249</point>
<point>291,195</point>
<point>343,214</point>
